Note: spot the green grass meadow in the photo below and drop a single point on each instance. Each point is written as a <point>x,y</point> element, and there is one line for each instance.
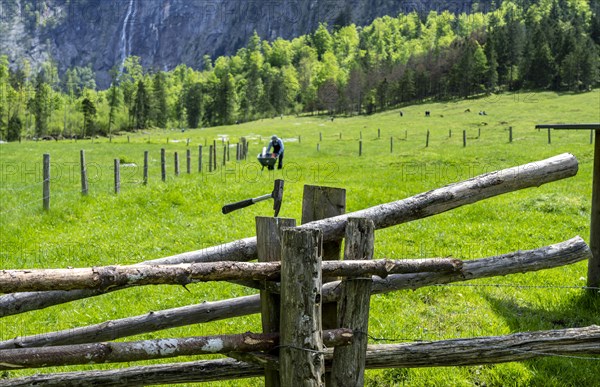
<point>160,219</point>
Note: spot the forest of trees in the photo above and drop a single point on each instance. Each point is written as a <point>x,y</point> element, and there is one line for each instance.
<point>342,69</point>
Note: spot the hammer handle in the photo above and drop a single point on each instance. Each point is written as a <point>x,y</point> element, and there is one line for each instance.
<point>236,206</point>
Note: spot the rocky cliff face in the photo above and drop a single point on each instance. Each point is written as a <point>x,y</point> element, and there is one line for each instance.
<point>165,33</point>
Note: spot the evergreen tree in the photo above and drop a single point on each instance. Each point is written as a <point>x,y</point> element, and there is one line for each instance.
<point>114,98</point>
<point>89,115</point>
<point>15,126</point>
<point>39,105</point>
<point>225,100</point>
<point>141,108</point>
<point>193,104</point>
<point>160,112</point>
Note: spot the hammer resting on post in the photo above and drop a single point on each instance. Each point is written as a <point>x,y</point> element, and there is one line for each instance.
<point>277,195</point>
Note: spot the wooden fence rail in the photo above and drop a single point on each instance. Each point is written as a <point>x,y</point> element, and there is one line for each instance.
<point>560,254</point>
<point>106,277</point>
<point>119,352</point>
<point>385,215</point>
<point>465,352</point>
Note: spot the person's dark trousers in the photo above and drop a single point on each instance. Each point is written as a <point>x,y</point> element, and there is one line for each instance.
<point>280,165</point>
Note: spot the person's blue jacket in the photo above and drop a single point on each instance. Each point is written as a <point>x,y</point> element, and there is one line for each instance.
<point>277,145</point>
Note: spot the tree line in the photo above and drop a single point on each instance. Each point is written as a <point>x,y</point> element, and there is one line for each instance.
<point>345,69</point>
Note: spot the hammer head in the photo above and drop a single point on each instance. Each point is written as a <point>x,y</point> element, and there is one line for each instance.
<point>277,196</point>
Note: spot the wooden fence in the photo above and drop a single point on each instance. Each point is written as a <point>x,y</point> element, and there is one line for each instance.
<point>298,276</point>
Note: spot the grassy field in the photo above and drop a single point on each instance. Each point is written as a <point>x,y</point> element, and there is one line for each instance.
<point>184,214</point>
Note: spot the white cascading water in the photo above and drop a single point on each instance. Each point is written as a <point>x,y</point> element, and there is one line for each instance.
<point>125,42</point>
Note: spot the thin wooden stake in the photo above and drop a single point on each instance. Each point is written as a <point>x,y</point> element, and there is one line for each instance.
<point>464,138</point>
<point>427,140</point>
<point>176,160</point>
<point>84,180</point>
<point>163,164</point>
<point>549,136</point>
<point>117,176</point>
<point>360,148</point>
<point>593,280</point>
<point>199,158</point>
<point>188,158</point>
<point>392,144</point>
<point>145,178</point>
<point>46,182</point>
<point>510,134</point>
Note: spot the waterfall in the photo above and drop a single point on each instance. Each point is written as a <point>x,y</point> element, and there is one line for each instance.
<point>125,41</point>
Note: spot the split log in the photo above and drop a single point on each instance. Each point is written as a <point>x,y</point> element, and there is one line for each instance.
<point>107,277</point>
<point>385,215</point>
<point>445,353</point>
<point>120,352</point>
<point>560,254</point>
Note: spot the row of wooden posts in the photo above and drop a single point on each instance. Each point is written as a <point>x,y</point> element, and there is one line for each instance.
<point>241,154</point>
<point>296,315</point>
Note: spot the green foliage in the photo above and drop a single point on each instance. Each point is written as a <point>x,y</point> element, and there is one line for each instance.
<point>347,69</point>
<point>141,108</point>
<point>15,126</point>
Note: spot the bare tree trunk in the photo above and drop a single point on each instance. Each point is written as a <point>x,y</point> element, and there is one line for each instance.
<point>445,353</point>
<point>106,277</point>
<point>560,254</point>
<point>119,352</point>
<point>384,215</point>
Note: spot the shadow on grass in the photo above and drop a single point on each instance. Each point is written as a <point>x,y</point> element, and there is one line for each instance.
<point>579,310</point>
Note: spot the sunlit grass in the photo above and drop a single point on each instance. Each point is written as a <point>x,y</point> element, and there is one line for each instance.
<point>184,214</point>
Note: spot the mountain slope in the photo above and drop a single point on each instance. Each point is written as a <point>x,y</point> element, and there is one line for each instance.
<point>165,33</point>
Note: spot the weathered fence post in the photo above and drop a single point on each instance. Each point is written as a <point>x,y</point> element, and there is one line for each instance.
<point>224,156</point>
<point>549,136</point>
<point>46,182</point>
<point>145,178</point>
<point>594,262</point>
<point>320,203</point>
<point>353,308</point>
<point>84,180</point>
<point>210,158</point>
<point>215,155</point>
<point>117,176</point>
<point>176,159</point>
<point>360,148</point>
<point>378,133</point>
<point>163,164</point>
<point>427,140</point>
<point>392,144</point>
<point>510,136</point>
<point>188,159</point>
<point>200,158</point>
<point>301,360</point>
<point>464,138</point>
<point>268,245</point>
